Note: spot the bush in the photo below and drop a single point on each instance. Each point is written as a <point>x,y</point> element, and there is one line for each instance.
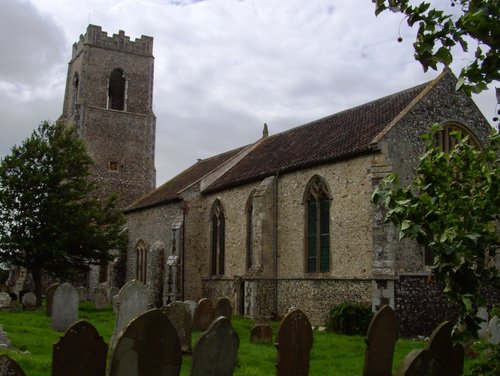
<point>350,318</point>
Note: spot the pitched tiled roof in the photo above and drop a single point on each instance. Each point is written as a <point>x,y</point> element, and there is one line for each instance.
<point>169,192</point>
<point>331,138</point>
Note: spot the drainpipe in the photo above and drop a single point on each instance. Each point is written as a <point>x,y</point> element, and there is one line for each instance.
<point>275,244</point>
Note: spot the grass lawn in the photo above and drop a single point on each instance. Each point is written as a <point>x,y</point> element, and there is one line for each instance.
<point>332,354</point>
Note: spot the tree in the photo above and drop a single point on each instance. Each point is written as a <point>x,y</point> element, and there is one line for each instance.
<point>51,220</point>
<point>438,32</point>
<point>452,206</point>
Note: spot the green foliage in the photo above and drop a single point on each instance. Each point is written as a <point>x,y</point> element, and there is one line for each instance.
<point>50,219</point>
<point>438,32</point>
<point>453,207</point>
<point>490,366</point>
<point>350,318</point>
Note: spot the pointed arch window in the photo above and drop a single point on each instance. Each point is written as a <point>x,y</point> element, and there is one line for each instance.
<point>141,261</point>
<point>317,226</point>
<point>117,90</point>
<point>217,239</point>
<point>446,141</point>
<point>249,214</point>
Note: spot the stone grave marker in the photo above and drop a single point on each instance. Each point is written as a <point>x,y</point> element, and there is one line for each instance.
<point>439,358</point>
<point>115,303</point>
<point>203,315</point>
<point>80,352</point>
<point>149,345</point>
<point>261,334</point>
<point>29,301</point>
<point>64,307</point>
<point>294,343</point>
<point>82,293</point>
<point>100,299</point>
<point>224,308</point>
<point>9,367</point>
<point>4,340</point>
<point>179,315</point>
<point>494,331</point>
<point>5,300</point>
<point>112,291</point>
<point>216,350</point>
<point>49,296</point>
<point>133,300</point>
<point>380,340</point>
<point>191,304</point>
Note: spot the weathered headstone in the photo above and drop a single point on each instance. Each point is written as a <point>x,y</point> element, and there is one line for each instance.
<point>100,299</point>
<point>80,352</point>
<point>494,331</point>
<point>294,343</point>
<point>9,367</point>
<point>29,301</point>
<point>49,296</point>
<point>4,340</point>
<point>439,358</point>
<point>261,334</point>
<point>216,351</point>
<point>82,293</point>
<point>380,340</point>
<point>149,345</point>
<point>5,300</point>
<point>179,315</point>
<point>112,291</point>
<point>203,315</point>
<point>115,303</point>
<point>191,304</point>
<point>133,299</point>
<point>64,307</point>
<point>224,308</point>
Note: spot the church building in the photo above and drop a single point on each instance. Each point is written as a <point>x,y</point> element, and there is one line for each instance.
<point>286,221</point>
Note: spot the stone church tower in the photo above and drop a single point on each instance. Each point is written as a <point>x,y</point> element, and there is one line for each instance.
<point>108,98</point>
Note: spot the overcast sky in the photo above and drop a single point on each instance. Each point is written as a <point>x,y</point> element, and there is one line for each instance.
<point>223,68</point>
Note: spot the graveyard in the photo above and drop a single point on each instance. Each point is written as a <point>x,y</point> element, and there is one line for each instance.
<point>47,340</point>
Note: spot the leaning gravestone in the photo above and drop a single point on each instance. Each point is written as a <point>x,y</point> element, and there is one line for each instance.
<point>82,293</point>
<point>380,340</point>
<point>133,299</point>
<point>494,331</point>
<point>439,358</point>
<point>149,345</point>
<point>80,352</point>
<point>179,315</point>
<point>223,308</point>
<point>64,307</point>
<point>9,367</point>
<point>294,344</point>
<point>29,301</point>
<point>261,334</point>
<point>203,315</point>
<point>216,351</point>
<point>5,300</point>
<point>49,295</point>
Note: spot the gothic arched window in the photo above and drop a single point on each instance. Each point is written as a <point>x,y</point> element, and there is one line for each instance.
<point>217,239</point>
<point>249,214</point>
<point>445,140</point>
<point>317,226</point>
<point>117,90</point>
<point>141,261</point>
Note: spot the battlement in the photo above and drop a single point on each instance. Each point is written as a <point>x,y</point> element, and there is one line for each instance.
<point>94,36</point>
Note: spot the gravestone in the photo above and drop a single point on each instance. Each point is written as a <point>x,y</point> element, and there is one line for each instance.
<point>294,343</point>
<point>216,350</point>
<point>4,340</point>
<point>261,334</point>
<point>115,303</point>
<point>5,300</point>
<point>49,296</point>
<point>100,299</point>
<point>494,331</point>
<point>439,358</point>
<point>179,315</point>
<point>191,304</point>
<point>9,367</point>
<point>133,300</point>
<point>64,307</point>
<point>82,293</point>
<point>29,301</point>
<point>149,345</point>
<point>380,340</point>
<point>112,291</point>
<point>223,308</point>
<point>80,352</point>
<point>203,315</point>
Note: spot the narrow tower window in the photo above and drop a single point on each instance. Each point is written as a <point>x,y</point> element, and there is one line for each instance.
<point>217,248</point>
<point>141,261</point>
<point>117,89</point>
<point>76,82</point>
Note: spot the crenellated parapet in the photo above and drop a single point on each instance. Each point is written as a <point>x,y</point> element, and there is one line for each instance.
<point>96,37</point>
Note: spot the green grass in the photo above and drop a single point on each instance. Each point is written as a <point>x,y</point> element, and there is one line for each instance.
<point>332,354</point>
